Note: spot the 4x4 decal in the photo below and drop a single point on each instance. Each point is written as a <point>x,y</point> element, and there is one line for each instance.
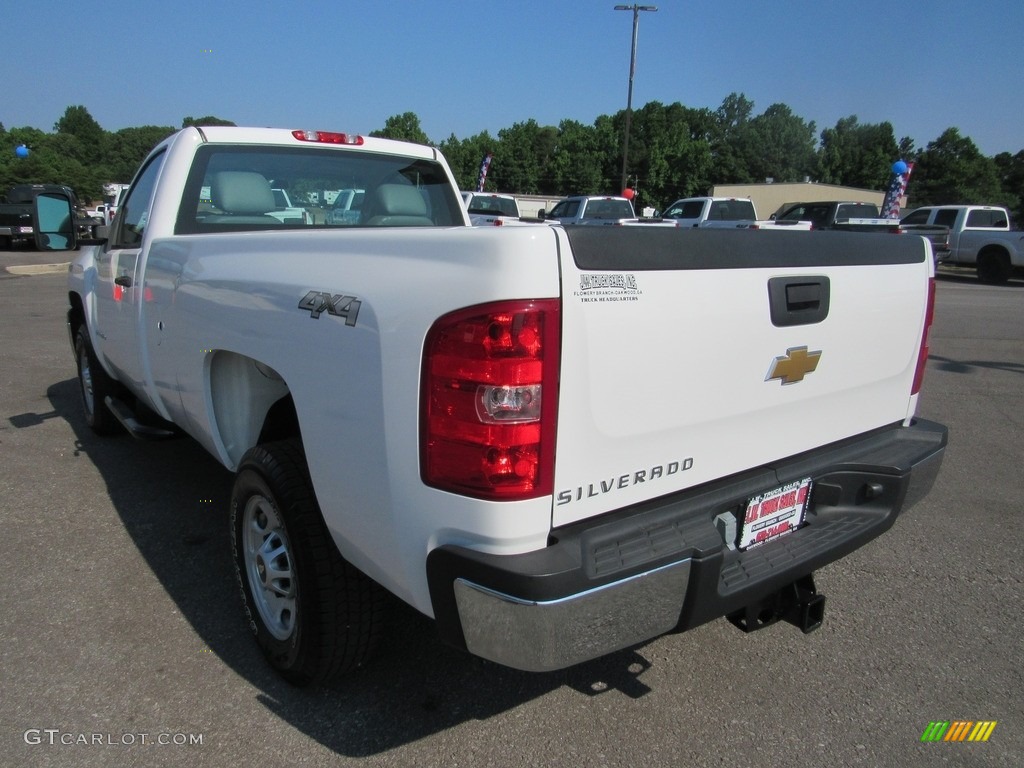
<point>336,304</point>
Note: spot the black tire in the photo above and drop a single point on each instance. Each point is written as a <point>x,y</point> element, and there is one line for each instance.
<point>319,617</point>
<point>94,385</point>
<point>993,267</point>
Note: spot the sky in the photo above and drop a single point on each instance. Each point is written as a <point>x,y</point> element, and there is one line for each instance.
<point>468,67</point>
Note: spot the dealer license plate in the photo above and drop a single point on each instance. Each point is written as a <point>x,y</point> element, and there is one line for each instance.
<point>774,514</point>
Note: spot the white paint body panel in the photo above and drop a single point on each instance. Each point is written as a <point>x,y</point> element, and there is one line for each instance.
<point>675,372</point>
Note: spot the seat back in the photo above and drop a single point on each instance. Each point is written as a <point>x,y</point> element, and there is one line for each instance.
<point>399,205</point>
<point>244,197</point>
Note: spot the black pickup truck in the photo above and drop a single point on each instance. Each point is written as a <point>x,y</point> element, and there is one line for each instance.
<point>17,215</point>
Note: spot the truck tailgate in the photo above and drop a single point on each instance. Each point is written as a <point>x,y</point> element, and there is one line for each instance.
<point>691,355</point>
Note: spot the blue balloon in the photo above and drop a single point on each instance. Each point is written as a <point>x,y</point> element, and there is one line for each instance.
<point>899,167</point>
<point>21,151</point>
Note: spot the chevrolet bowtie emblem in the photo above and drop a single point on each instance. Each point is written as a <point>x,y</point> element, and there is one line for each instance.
<point>792,368</point>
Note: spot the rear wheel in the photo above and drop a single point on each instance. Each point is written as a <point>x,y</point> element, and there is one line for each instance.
<point>313,614</point>
<point>993,267</point>
<point>94,385</point>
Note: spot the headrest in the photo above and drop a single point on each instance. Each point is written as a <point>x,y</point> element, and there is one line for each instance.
<point>400,200</point>
<point>242,192</point>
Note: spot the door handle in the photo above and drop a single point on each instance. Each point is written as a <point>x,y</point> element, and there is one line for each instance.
<point>798,300</point>
<point>124,281</point>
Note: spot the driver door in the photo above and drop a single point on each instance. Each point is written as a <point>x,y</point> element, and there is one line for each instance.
<point>118,290</point>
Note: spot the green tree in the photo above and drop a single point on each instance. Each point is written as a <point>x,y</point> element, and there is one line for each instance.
<point>1011,177</point>
<point>128,147</point>
<point>88,136</point>
<point>783,146</point>
<point>670,155</point>
<point>675,151</point>
<point>577,164</point>
<point>857,155</point>
<point>732,140</point>
<point>907,150</point>
<point>951,170</point>
<point>199,122</point>
<point>403,127</point>
<point>464,157</point>
<point>523,159</point>
<point>608,146</point>
<point>37,168</point>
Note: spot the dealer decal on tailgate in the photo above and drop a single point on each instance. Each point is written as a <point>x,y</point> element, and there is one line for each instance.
<point>774,513</point>
<point>598,287</point>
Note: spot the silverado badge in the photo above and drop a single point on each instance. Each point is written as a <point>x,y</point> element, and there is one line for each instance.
<point>796,364</point>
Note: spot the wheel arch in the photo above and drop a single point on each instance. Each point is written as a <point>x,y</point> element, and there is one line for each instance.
<point>76,312</point>
<point>994,249</point>
<point>250,402</point>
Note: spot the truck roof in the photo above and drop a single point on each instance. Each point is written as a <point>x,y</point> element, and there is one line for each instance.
<point>224,134</point>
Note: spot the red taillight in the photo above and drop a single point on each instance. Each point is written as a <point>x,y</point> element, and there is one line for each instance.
<point>922,355</point>
<point>490,398</point>
<point>326,137</point>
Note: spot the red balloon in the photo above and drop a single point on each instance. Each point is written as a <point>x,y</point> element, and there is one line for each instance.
<point>628,193</point>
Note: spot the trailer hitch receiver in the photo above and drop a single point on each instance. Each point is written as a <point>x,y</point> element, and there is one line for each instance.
<point>798,603</point>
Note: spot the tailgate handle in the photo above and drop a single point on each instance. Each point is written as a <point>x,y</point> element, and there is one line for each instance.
<point>799,300</point>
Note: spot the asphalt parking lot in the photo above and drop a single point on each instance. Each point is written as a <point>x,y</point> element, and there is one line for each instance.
<point>122,641</point>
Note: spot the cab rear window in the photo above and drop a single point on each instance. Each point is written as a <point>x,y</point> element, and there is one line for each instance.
<point>251,188</point>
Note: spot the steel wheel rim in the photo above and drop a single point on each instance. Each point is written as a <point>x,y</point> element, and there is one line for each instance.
<point>269,567</point>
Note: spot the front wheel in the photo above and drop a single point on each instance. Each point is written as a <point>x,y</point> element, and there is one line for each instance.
<point>313,614</point>
<point>94,385</point>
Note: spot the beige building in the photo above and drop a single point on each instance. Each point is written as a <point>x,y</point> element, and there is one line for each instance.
<point>772,198</point>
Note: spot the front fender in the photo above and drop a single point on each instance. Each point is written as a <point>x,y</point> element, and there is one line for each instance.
<point>82,300</point>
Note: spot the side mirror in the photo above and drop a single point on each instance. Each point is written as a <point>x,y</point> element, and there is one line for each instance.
<point>542,214</point>
<point>54,222</point>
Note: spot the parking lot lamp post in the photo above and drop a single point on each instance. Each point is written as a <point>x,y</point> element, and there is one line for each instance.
<point>635,8</point>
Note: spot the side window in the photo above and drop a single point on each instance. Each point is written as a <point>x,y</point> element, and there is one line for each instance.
<point>692,209</point>
<point>986,219</point>
<point>132,217</point>
<point>946,217</point>
<point>917,217</point>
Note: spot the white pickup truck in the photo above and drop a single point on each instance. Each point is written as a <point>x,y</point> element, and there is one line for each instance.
<point>597,211</point>
<point>285,211</point>
<point>724,213</point>
<point>492,209</point>
<point>979,235</point>
<point>114,194</point>
<point>557,442</point>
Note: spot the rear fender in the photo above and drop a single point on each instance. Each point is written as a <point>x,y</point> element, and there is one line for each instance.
<point>242,392</point>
